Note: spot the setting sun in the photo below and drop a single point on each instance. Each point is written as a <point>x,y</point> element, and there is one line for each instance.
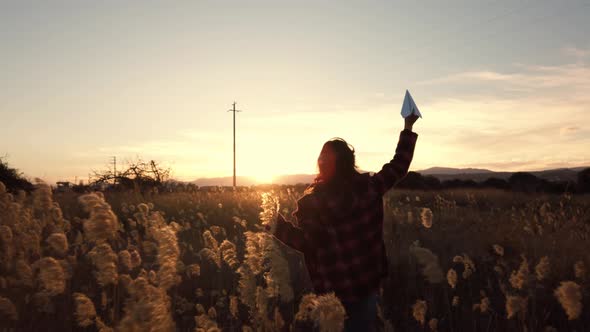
<point>264,178</point>
<point>295,165</point>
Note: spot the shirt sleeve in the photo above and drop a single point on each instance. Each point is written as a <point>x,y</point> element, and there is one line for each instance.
<point>397,168</point>
<point>289,234</point>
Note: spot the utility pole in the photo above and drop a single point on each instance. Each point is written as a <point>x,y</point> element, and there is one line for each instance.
<point>234,111</point>
<point>114,170</point>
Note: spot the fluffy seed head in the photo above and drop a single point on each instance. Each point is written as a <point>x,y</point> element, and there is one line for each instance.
<point>7,308</point>
<point>135,258</point>
<point>419,311</point>
<point>519,279</point>
<point>569,295</point>
<point>211,256</point>
<point>50,276</point>
<point>516,305</point>
<point>85,312</point>
<point>105,261</point>
<point>580,270</point>
<point>58,243</point>
<point>498,249</point>
<point>543,269</point>
<point>210,241</point>
<point>247,286</point>
<point>229,254</point>
<point>143,208</point>
<point>431,269</point>
<point>483,306</point>
<point>102,223</point>
<point>452,278</point>
<point>212,313</point>
<point>433,324</point>
<point>168,254</point>
<point>125,260</point>
<point>328,313</point>
<point>5,235</point>
<point>193,270</point>
<point>233,306</point>
<point>468,267</point>
<point>24,273</point>
<point>426,217</point>
<point>278,320</point>
<point>147,309</point>
<point>306,306</point>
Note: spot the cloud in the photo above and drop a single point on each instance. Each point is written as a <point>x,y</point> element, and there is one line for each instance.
<point>565,80</point>
<point>481,75</point>
<point>568,130</point>
<point>576,52</point>
<point>525,119</point>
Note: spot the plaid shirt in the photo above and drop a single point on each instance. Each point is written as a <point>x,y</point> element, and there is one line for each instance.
<point>341,234</point>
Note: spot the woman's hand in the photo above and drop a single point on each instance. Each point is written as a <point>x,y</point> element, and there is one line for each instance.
<point>409,121</point>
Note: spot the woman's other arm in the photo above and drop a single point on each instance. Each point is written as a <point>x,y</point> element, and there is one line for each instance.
<point>288,233</point>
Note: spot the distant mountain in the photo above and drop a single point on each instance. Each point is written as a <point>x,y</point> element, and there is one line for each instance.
<point>448,170</point>
<point>442,173</point>
<point>478,175</point>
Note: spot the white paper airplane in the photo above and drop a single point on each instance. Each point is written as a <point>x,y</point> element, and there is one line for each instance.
<point>409,106</point>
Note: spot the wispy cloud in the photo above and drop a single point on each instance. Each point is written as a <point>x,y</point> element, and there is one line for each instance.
<point>578,53</point>
<point>530,118</point>
<point>569,130</point>
<point>530,78</point>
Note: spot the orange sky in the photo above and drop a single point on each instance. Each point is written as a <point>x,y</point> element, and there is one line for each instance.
<point>503,87</point>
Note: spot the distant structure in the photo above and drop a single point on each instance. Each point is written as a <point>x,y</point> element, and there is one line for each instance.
<point>64,186</point>
<point>114,170</point>
<point>234,110</point>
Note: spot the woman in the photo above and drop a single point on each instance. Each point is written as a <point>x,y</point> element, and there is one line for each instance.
<point>340,226</point>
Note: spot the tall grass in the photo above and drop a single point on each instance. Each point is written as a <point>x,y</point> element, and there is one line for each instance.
<point>477,260</point>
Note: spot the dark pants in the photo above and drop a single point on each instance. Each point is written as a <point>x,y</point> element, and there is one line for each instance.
<point>362,314</point>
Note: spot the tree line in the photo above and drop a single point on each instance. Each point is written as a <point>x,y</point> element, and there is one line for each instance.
<point>519,182</point>
<point>148,176</point>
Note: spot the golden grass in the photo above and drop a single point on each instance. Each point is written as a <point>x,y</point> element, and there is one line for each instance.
<point>198,261</point>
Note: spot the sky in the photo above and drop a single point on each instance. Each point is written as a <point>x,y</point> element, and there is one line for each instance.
<point>502,85</point>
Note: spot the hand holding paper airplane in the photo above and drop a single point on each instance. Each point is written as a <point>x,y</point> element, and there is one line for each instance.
<point>409,106</point>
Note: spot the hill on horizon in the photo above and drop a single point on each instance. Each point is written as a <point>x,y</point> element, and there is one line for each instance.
<point>442,173</point>
<point>450,170</point>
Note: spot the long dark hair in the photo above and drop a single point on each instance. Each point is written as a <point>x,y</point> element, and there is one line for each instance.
<point>336,164</point>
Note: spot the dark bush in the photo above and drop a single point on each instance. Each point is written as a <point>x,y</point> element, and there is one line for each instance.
<point>13,179</point>
<point>495,183</point>
<point>412,180</point>
<point>584,181</point>
<point>525,182</point>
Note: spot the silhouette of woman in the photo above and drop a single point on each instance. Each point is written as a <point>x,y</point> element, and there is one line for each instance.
<point>339,226</point>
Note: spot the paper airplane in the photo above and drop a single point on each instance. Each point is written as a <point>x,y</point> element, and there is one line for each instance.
<point>409,106</point>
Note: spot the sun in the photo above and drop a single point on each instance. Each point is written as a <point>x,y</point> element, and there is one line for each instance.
<point>263,178</point>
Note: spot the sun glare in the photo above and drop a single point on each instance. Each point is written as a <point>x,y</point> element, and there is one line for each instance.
<point>263,178</point>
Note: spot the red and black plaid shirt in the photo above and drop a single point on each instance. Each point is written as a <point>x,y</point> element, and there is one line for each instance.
<point>341,234</point>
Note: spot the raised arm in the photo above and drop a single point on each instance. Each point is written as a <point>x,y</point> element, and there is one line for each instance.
<point>397,168</point>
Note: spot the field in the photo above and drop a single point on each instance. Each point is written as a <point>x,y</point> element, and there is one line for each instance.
<point>476,260</point>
